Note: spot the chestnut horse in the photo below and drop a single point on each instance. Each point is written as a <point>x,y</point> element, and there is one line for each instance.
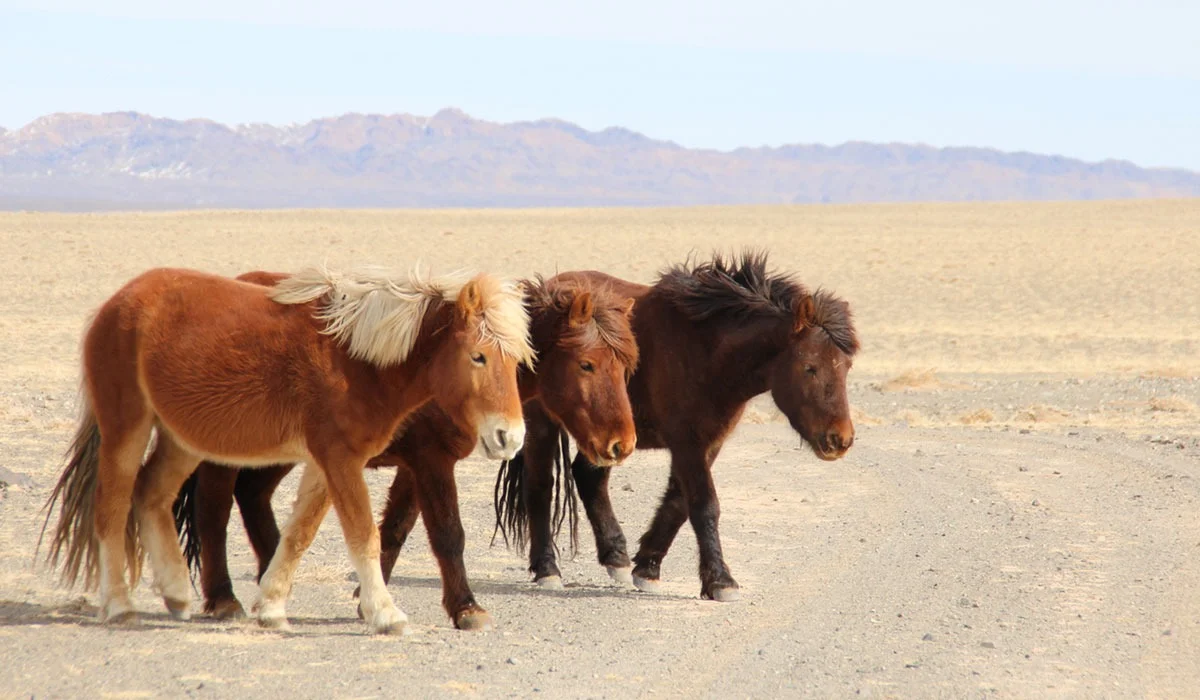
<point>322,369</point>
<point>712,336</point>
<point>585,354</point>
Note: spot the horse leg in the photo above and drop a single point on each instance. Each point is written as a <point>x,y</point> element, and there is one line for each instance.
<point>695,476</point>
<point>399,517</point>
<point>214,501</point>
<point>312,503</point>
<point>352,500</point>
<point>541,443</point>
<point>672,513</point>
<point>122,445</point>
<point>155,490</point>
<point>253,492</point>
<point>437,494</point>
<point>592,483</point>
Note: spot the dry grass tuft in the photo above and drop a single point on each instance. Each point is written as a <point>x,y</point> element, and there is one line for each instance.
<point>983,415</point>
<point>911,380</point>
<point>1039,413</point>
<point>1172,404</point>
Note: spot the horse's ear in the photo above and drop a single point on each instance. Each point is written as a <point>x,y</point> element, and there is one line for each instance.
<point>470,300</point>
<point>627,307</point>
<point>806,313</point>
<point>582,309</point>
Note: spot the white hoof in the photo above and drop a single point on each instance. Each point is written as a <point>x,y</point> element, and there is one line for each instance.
<point>390,620</point>
<point>726,595</point>
<point>180,610</point>
<point>550,583</point>
<point>621,574</point>
<point>647,585</point>
<point>272,616</point>
<point>117,612</point>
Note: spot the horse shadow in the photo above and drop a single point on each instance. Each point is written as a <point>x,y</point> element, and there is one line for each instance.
<point>81,613</point>
<point>569,590</point>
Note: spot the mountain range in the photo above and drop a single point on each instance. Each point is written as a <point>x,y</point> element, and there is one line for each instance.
<point>129,160</point>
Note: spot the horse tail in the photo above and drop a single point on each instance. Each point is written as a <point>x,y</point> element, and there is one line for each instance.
<point>74,539</point>
<point>185,523</point>
<point>564,483</point>
<point>512,508</point>
<point>508,499</point>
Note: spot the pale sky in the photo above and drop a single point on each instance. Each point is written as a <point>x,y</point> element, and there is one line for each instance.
<point>1092,80</point>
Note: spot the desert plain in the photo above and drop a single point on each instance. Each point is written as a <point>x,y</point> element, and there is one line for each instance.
<point>1019,516</point>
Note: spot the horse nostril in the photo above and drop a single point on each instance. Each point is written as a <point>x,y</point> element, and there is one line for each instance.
<point>501,437</point>
<point>615,450</point>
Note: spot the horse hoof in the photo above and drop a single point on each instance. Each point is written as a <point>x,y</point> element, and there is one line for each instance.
<point>390,620</point>
<point>273,622</point>
<point>621,574</point>
<point>647,585</point>
<point>550,583</point>
<point>474,621</point>
<point>180,609</point>
<point>124,618</point>
<point>726,594</point>
<point>226,610</point>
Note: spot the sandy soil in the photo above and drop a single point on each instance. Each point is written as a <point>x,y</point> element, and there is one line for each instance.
<point>1018,517</point>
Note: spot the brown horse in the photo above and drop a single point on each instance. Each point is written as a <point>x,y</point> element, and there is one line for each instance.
<point>585,354</point>
<point>321,369</point>
<point>712,336</point>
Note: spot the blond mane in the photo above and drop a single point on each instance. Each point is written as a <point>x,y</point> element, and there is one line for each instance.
<point>377,313</point>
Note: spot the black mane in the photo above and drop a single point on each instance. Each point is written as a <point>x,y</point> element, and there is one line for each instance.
<point>736,288</point>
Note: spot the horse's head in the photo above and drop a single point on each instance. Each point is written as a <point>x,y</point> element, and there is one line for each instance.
<point>586,354</point>
<point>474,375</point>
<point>808,379</point>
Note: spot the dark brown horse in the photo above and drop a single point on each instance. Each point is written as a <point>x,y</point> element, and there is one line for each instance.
<point>712,336</point>
<point>585,354</point>
<point>322,369</point>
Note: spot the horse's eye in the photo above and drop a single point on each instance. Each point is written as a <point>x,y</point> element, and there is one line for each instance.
<point>479,358</point>
<point>587,366</point>
<point>812,371</point>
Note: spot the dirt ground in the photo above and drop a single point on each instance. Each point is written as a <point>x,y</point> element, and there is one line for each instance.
<point>1018,517</point>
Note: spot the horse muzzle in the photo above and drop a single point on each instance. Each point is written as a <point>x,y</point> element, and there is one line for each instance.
<point>501,437</point>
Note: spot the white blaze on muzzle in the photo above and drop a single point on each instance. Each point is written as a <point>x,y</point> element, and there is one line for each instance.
<point>500,436</point>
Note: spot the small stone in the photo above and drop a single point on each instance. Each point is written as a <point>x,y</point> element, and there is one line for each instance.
<point>1023,468</point>
<point>511,661</point>
<point>627,487</point>
<point>987,645</point>
<point>927,637</point>
<point>1036,502</point>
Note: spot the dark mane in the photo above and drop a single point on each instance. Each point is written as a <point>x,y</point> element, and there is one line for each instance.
<point>550,304</point>
<point>739,287</point>
<point>833,315</point>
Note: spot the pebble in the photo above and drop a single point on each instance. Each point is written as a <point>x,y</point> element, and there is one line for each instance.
<point>511,661</point>
<point>927,638</point>
<point>987,645</point>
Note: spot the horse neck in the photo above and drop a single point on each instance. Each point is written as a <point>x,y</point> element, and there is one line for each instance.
<point>742,355</point>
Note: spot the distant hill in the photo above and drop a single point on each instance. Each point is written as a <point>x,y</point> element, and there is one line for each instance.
<point>131,160</point>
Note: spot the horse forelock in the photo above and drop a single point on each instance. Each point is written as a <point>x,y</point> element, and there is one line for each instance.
<point>609,328</point>
<point>377,314</point>
<point>832,314</point>
<point>505,319</point>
